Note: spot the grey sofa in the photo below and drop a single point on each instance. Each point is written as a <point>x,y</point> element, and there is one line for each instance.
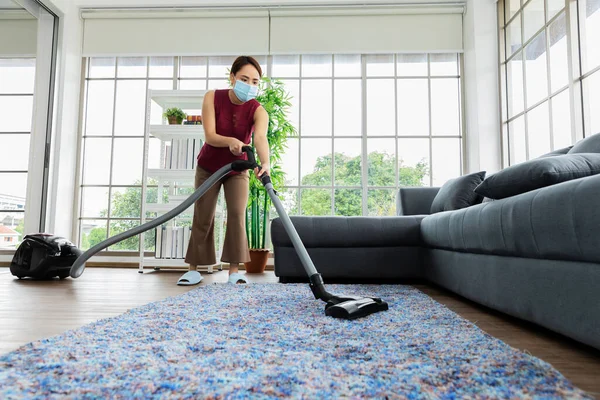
<point>535,256</point>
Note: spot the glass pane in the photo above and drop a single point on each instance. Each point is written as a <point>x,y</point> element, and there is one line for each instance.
<point>347,65</point>
<point>127,162</point>
<point>590,33</point>
<point>348,165</point>
<point>315,201</point>
<point>130,244</point>
<point>292,87</point>
<point>99,108</point>
<point>445,108</point>
<point>94,202</point>
<point>347,107</point>
<point>219,67</point>
<point>348,202</point>
<point>214,84</point>
<point>411,64</point>
<point>192,84</point>
<point>289,200</point>
<point>512,6</point>
<point>290,162</point>
<point>444,65</point>
<point>381,202</point>
<point>413,107</point>
<point>516,102</point>
<point>193,67</point>
<point>446,155</point>
<point>284,66</point>
<point>380,65</point>
<point>102,67</point>
<point>92,233</point>
<point>553,7</point>
<point>315,164</point>
<point>130,110</point>
<point>161,67</point>
<point>15,152</point>
<point>14,184</point>
<point>513,36</point>
<point>533,13</point>
<point>125,202</point>
<point>316,107</point>
<point>561,121</point>
<point>536,71</point>
<point>538,131</point>
<point>13,223</point>
<point>96,161</point>
<point>517,143</point>
<point>413,162</point>
<point>380,107</point>
<point>16,113</point>
<point>316,66</point>
<point>132,67</point>
<point>559,64</point>
<point>381,162</point>
<point>17,75</point>
<point>592,88</point>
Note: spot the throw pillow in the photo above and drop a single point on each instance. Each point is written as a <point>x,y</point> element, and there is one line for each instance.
<point>557,152</point>
<point>458,193</point>
<point>588,145</point>
<point>538,173</point>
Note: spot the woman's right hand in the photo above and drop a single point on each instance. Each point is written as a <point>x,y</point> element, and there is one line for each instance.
<point>235,146</point>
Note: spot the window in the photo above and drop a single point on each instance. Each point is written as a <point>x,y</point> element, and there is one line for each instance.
<point>540,111</point>
<point>367,125</point>
<point>17,78</point>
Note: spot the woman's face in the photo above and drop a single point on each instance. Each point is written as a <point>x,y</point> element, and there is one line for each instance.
<point>247,74</point>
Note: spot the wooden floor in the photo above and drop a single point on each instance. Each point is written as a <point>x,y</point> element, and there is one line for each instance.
<point>31,310</point>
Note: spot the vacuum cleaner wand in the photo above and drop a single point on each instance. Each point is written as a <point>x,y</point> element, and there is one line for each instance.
<point>348,307</point>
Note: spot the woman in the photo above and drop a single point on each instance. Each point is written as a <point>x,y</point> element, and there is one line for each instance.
<point>229,117</point>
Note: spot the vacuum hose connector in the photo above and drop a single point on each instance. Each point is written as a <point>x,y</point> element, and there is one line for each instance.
<point>318,287</point>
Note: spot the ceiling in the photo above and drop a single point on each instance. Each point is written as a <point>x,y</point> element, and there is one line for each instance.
<point>9,4</point>
<point>196,3</point>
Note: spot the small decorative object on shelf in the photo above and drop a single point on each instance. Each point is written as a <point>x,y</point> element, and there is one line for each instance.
<point>174,115</point>
<point>193,120</point>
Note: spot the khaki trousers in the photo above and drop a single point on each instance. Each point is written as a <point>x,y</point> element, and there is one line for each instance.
<point>201,250</point>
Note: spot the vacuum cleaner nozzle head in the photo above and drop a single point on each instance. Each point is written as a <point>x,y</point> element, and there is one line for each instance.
<point>348,307</point>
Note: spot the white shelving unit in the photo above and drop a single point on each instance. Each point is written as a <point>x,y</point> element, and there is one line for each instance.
<point>167,177</point>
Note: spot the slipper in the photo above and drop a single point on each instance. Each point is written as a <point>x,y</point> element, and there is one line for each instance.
<point>190,278</point>
<point>236,277</point>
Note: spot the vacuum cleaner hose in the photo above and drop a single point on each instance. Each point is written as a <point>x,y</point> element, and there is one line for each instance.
<point>238,165</point>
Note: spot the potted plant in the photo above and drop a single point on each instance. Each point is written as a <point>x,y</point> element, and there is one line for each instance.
<point>276,101</point>
<point>174,115</point>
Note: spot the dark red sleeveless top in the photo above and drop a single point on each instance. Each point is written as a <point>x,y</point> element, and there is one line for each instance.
<point>232,120</point>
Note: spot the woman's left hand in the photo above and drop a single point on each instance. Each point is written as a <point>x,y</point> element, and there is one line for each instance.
<point>264,170</point>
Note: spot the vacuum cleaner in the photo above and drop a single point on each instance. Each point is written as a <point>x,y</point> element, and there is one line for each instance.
<point>44,256</point>
<point>338,306</point>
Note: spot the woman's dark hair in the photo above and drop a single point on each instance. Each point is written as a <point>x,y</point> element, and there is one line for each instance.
<point>245,60</point>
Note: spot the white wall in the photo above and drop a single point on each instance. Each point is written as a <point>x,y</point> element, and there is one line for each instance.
<point>483,140</point>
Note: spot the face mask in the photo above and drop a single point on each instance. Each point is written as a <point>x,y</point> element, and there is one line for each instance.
<point>244,92</point>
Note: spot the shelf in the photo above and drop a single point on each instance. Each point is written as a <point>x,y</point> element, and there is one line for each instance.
<point>168,132</point>
<point>178,98</point>
<point>172,174</point>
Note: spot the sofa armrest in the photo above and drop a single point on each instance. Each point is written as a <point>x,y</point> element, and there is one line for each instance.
<point>415,200</point>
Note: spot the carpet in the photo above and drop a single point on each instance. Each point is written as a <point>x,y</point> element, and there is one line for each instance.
<point>273,340</point>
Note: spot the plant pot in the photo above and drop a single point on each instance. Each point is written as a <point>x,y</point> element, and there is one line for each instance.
<point>175,121</point>
<point>258,261</point>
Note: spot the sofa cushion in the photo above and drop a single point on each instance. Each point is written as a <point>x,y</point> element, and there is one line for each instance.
<point>590,144</point>
<point>556,222</point>
<point>350,231</point>
<point>557,152</point>
<point>458,193</point>
<point>538,173</point>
